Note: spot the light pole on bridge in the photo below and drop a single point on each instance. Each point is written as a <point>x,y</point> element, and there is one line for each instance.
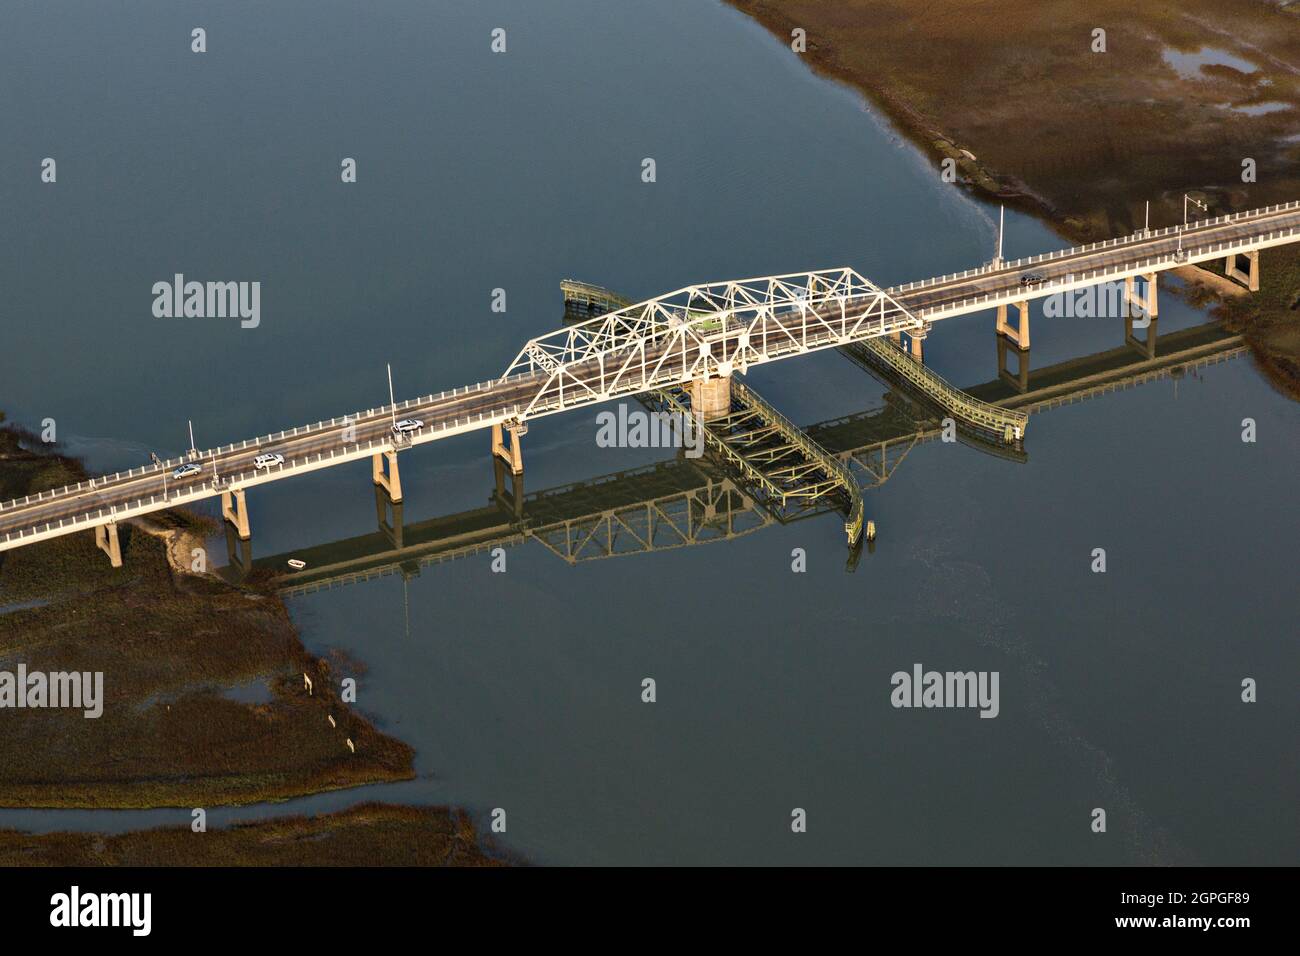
<point>1186,199</point>
<point>1002,216</point>
<point>392,402</point>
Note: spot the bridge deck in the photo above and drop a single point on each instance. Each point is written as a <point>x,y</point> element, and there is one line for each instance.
<point>615,361</point>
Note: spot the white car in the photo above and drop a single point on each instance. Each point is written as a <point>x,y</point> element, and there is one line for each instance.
<point>407,425</point>
<point>266,461</point>
<point>184,471</point>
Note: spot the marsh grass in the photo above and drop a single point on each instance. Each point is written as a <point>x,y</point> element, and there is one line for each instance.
<point>366,835</point>
<point>168,646</point>
<point>1085,137</point>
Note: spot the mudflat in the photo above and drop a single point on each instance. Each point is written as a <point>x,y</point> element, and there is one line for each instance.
<point>1037,107</point>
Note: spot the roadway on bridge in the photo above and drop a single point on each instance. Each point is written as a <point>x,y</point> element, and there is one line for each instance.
<point>1000,281</point>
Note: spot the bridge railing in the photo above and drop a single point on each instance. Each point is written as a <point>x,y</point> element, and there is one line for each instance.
<point>105,481</point>
<point>210,488</point>
<point>1093,276</point>
<point>1130,239</point>
<point>992,418</point>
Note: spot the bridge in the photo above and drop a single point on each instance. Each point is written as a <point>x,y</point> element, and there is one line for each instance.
<point>692,340</point>
<point>693,502</point>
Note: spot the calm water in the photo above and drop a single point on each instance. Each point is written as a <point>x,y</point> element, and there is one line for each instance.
<point>522,690</point>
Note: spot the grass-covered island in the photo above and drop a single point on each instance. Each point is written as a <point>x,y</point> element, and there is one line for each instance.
<point>171,645</point>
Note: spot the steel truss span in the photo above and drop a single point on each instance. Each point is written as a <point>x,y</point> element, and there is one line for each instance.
<point>702,332</point>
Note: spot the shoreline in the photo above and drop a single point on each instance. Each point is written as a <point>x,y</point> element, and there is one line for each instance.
<point>894,67</point>
<point>897,58</point>
<point>908,122</point>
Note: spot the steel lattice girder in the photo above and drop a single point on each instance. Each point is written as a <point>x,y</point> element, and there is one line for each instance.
<point>702,331</point>
<point>716,512</point>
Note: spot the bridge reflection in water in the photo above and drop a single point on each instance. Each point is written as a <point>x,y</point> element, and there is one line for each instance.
<point>687,502</point>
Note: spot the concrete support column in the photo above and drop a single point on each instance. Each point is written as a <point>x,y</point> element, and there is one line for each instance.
<point>513,455</point>
<point>914,345</point>
<point>235,510</point>
<point>390,482</point>
<point>1146,307</point>
<point>106,538</point>
<point>1249,279</point>
<point>1019,336</point>
<point>1153,288</point>
<point>711,397</point>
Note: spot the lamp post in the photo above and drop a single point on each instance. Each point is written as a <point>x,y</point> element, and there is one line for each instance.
<point>1186,199</point>
<point>1002,215</point>
<point>392,402</point>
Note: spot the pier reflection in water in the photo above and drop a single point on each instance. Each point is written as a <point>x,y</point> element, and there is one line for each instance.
<point>686,502</point>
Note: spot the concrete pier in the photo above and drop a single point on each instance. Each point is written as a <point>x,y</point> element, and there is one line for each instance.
<point>914,345</point>
<point>513,455</point>
<point>106,538</point>
<point>711,397</point>
<point>391,482</point>
<point>1148,305</point>
<point>1020,335</point>
<point>1247,277</point>
<point>235,510</point>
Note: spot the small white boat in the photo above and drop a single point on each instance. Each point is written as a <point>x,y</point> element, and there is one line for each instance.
<point>296,564</point>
